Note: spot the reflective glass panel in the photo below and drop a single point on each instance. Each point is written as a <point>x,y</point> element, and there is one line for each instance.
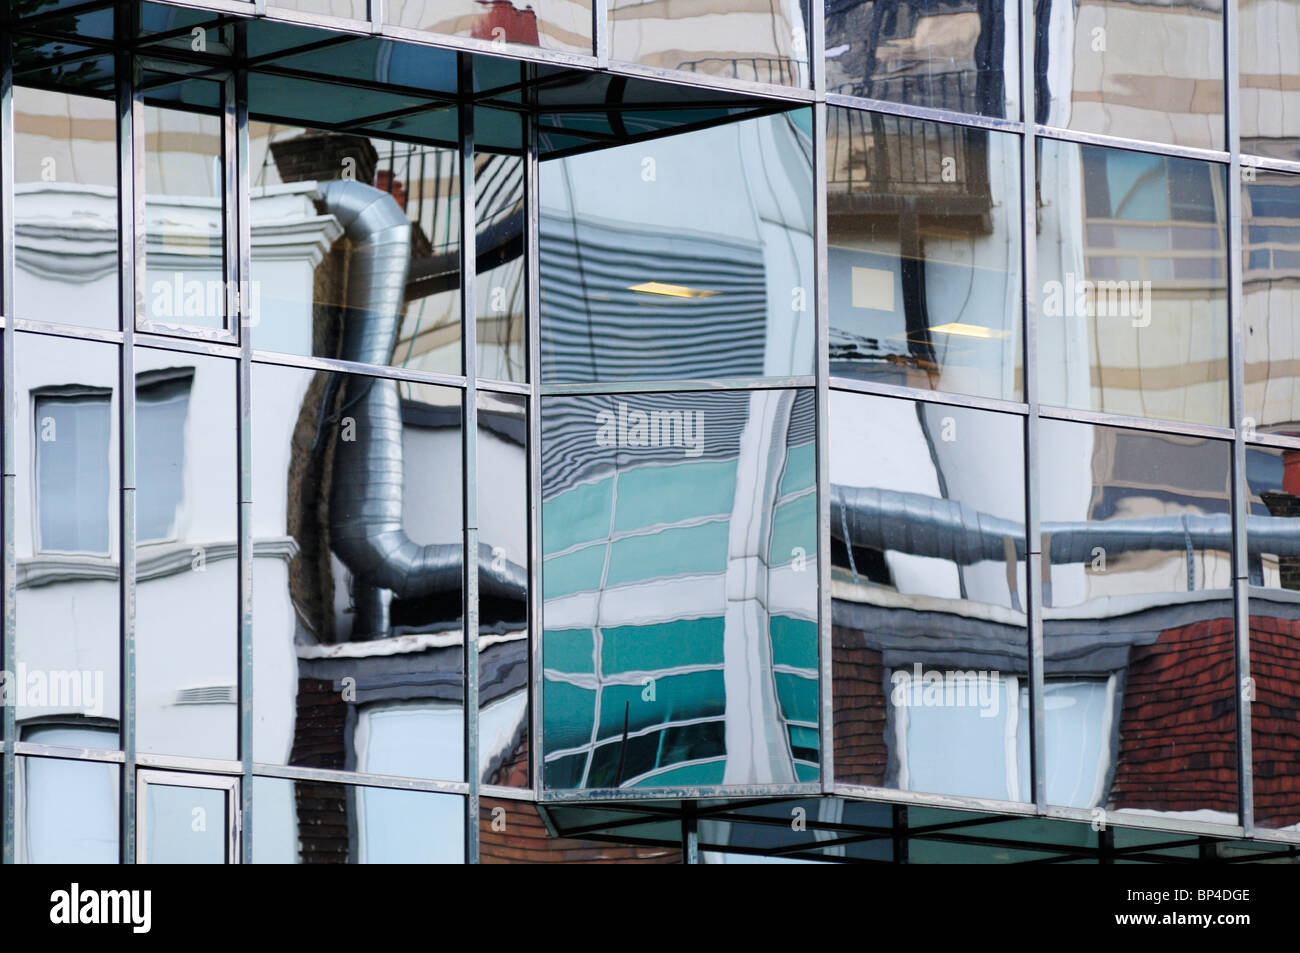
<point>758,42</point>
<point>357,564</point>
<point>1132,279</point>
<point>356,246</point>
<point>1137,621</point>
<point>187,555</point>
<point>945,54</point>
<point>323,822</point>
<point>1270,267</point>
<point>550,24</point>
<point>501,283</point>
<point>1273,537</point>
<point>1270,77</point>
<point>505,661</point>
<point>680,585</point>
<point>924,259</point>
<point>67,515</point>
<point>513,832</point>
<point>928,597</point>
<point>349,9</point>
<point>1150,70</point>
<point>186,825</point>
<point>65,208</point>
<point>185,264</point>
<point>689,256</point>
<point>66,811</point>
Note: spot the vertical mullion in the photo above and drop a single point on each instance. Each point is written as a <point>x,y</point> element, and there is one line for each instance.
<point>532,251</point>
<point>10,570</point>
<point>242,239</point>
<point>821,299</point>
<point>131,244</point>
<point>1034,567</point>
<point>1236,400</point>
<point>817,49</point>
<point>600,32</point>
<point>376,15</point>
<point>469,461</point>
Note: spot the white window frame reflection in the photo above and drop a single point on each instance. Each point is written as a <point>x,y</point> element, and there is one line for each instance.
<point>67,395</point>
<point>1014,731</point>
<point>58,809</point>
<point>228,785</point>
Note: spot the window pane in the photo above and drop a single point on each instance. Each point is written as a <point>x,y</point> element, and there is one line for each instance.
<point>550,24</point>
<point>956,56</point>
<point>65,208</point>
<point>1138,586</point>
<point>930,641</point>
<point>358,563</point>
<point>187,562</point>
<point>186,825</point>
<point>66,527</point>
<point>1270,77</point>
<point>512,832</point>
<point>1274,547</point>
<point>760,43</point>
<point>356,245</point>
<point>1107,67</point>
<point>505,661</point>
<point>184,179</point>
<point>501,288</point>
<point>67,811</point>
<point>1270,235</point>
<point>1132,283</point>
<point>680,642</point>
<point>924,285</point>
<point>686,257</point>
<point>319,822</point>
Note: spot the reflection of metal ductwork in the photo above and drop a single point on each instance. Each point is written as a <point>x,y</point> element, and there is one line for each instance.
<point>366,494</point>
<point>945,529</point>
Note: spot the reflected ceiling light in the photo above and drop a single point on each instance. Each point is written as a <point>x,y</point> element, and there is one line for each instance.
<point>970,330</point>
<point>672,291</point>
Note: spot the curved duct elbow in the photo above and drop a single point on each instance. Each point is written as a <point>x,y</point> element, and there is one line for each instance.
<point>366,529</point>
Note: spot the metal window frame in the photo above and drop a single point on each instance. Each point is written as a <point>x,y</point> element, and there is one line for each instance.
<point>212,782</point>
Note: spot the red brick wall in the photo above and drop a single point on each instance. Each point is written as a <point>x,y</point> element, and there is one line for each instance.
<point>1275,720</point>
<point>861,754</point>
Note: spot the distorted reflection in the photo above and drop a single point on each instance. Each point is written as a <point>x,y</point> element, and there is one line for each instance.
<point>358,562</point>
<point>1273,537</point>
<point>758,42</point>
<point>323,822</point>
<point>326,205</point>
<point>1269,92</point>
<point>928,598</point>
<point>958,55</point>
<point>66,811</point>
<point>67,534</point>
<point>687,257</point>
<point>680,581</point>
<point>503,642</point>
<point>924,256</point>
<point>1270,274</point>
<point>1137,621</point>
<point>1132,274</point>
<point>65,208</point>
<point>186,554</point>
<point>1106,67</point>
<point>550,24</point>
<point>500,287</point>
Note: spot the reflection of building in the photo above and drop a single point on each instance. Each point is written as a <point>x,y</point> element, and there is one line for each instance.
<point>486,433</point>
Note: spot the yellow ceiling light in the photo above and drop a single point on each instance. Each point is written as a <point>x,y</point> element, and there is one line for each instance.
<point>672,291</point>
<point>970,330</point>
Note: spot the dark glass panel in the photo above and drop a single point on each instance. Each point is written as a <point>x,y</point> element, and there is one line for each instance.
<point>924,224</point>
<point>679,533</point>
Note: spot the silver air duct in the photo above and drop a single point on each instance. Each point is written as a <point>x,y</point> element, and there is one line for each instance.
<point>366,493</point>
<point>944,529</point>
